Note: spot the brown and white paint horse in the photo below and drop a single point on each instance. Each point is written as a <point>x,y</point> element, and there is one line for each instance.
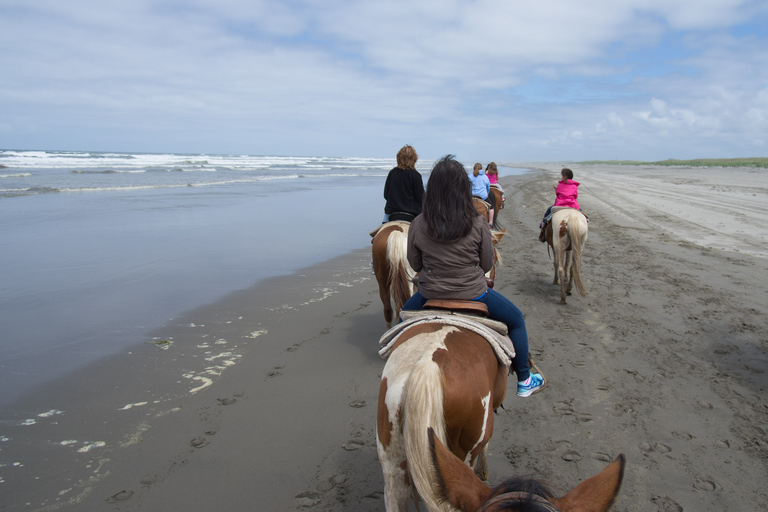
<point>441,377</point>
<point>390,264</point>
<point>566,235</point>
<point>464,490</point>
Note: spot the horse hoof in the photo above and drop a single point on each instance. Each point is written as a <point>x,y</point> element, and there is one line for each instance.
<point>563,301</point>
<point>568,293</point>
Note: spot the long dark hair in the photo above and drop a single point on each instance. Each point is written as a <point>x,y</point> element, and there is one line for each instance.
<point>448,207</point>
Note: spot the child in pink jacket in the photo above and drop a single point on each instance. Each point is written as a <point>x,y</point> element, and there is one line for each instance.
<point>567,193</point>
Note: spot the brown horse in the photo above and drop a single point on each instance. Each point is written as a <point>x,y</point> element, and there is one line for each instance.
<point>566,235</point>
<point>483,208</point>
<point>498,198</point>
<point>390,264</point>
<point>464,490</point>
<point>439,376</point>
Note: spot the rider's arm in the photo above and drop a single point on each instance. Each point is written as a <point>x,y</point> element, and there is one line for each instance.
<point>414,253</point>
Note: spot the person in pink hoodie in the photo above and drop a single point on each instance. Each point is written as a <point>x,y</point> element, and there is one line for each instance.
<point>567,194</point>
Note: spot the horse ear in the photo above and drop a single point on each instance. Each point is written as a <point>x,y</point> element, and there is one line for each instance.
<point>498,235</point>
<point>595,494</point>
<point>457,483</point>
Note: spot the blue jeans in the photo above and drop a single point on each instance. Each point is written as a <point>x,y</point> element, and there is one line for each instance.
<point>502,309</point>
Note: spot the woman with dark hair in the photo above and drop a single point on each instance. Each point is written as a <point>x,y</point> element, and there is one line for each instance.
<point>404,188</point>
<point>451,248</point>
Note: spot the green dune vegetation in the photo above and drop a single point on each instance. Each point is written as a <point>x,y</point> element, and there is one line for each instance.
<point>698,162</point>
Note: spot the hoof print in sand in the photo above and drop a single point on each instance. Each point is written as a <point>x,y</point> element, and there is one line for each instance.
<point>120,496</point>
<point>571,456</point>
<point>706,484</point>
<point>199,442</point>
<point>226,401</point>
<point>353,445</point>
<point>358,403</point>
<point>308,499</point>
<point>654,447</point>
<point>602,457</point>
<point>148,480</point>
<point>666,504</point>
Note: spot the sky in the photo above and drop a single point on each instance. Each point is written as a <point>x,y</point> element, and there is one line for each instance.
<point>507,80</point>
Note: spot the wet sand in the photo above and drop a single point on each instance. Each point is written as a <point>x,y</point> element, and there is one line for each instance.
<point>266,399</point>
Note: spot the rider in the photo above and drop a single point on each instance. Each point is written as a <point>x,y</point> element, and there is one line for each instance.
<point>452,249</point>
<point>481,188</point>
<point>493,175</point>
<point>567,193</point>
<point>404,188</point>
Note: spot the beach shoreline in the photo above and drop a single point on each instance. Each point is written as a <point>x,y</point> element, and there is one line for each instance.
<point>665,360</point>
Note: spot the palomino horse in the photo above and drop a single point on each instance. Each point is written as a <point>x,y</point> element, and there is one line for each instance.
<point>462,489</point>
<point>439,376</point>
<point>567,234</point>
<point>390,264</point>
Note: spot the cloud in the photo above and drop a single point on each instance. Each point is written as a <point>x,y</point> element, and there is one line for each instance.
<point>544,80</point>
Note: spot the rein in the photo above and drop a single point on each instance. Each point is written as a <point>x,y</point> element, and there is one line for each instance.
<point>522,497</point>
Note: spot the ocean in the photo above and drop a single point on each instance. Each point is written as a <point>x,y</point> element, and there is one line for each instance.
<point>98,249</point>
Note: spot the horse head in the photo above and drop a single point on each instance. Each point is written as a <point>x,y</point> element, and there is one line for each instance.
<point>464,490</point>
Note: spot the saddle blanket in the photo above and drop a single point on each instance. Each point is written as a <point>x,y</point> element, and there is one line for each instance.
<point>556,209</point>
<point>494,332</point>
<point>403,224</point>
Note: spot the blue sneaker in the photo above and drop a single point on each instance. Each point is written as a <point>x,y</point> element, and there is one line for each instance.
<point>536,383</point>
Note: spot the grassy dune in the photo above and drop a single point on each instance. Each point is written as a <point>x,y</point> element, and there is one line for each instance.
<point>699,162</point>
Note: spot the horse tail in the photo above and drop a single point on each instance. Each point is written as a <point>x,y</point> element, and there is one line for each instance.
<point>400,271</point>
<point>577,245</point>
<point>424,409</point>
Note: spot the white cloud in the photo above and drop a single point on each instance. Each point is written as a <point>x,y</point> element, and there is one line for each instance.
<point>338,77</point>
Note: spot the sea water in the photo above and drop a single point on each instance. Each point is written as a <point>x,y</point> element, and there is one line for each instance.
<point>98,249</point>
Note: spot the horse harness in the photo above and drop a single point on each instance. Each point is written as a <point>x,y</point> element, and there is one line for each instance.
<point>522,497</point>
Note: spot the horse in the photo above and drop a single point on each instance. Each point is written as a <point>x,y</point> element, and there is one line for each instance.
<point>390,264</point>
<point>439,376</point>
<point>566,235</point>
<point>498,198</point>
<point>483,208</point>
<point>462,489</point>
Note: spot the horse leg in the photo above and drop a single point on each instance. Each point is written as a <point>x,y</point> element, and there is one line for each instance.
<point>554,263</point>
<point>560,257</point>
<point>481,464</point>
<point>569,271</point>
<point>381,277</point>
<point>390,446</point>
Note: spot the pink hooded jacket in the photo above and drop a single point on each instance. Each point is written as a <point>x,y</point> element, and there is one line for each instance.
<point>567,191</point>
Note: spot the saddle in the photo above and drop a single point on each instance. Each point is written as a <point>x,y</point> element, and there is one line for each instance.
<point>493,331</point>
<point>555,209</point>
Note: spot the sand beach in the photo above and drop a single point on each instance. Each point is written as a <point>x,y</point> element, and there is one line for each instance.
<point>265,399</point>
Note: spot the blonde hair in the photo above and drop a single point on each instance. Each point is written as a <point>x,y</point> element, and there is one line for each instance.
<point>407,157</point>
<point>477,166</point>
<point>491,169</point>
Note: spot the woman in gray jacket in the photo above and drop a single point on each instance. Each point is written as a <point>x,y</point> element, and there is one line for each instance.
<point>450,246</point>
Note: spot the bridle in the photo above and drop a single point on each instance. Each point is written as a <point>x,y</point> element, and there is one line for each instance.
<point>522,497</point>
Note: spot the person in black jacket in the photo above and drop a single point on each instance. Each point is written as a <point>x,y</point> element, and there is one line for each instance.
<point>404,188</point>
